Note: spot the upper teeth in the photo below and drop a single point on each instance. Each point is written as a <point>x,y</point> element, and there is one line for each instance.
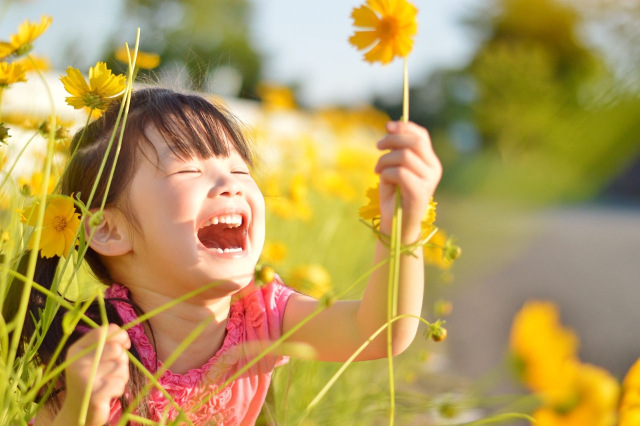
<point>231,220</point>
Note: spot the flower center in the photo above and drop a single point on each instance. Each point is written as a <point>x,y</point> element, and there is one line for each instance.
<point>59,223</point>
<point>388,27</point>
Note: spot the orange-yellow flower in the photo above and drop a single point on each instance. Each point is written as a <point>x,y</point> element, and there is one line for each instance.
<point>21,43</point>
<point>312,280</point>
<point>11,73</point>
<point>371,212</point>
<point>593,402</point>
<point>546,352</point>
<point>144,60</point>
<point>102,88</point>
<point>59,226</point>
<point>388,26</point>
<point>33,63</point>
<point>630,401</point>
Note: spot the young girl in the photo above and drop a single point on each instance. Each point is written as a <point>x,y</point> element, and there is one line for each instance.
<point>182,212</point>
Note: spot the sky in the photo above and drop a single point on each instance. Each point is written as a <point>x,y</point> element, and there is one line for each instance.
<point>303,42</point>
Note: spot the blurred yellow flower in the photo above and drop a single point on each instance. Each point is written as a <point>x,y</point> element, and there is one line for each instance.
<point>33,63</point>
<point>59,226</point>
<point>102,88</point>
<point>594,401</point>
<point>276,97</point>
<point>331,182</point>
<point>274,252</point>
<point>11,73</point>
<point>630,401</point>
<point>440,250</point>
<point>545,351</point>
<point>312,280</point>
<point>144,60</point>
<point>21,43</point>
<point>388,25</point>
<point>34,184</point>
<point>371,211</point>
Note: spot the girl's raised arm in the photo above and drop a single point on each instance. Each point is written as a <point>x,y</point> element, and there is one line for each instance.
<point>336,333</point>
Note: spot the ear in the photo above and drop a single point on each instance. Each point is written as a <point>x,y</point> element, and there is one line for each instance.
<point>110,235</point>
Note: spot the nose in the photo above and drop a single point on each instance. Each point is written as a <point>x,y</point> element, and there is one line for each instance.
<point>225,186</point>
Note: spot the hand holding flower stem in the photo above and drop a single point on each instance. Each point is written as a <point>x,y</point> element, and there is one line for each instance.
<point>388,25</point>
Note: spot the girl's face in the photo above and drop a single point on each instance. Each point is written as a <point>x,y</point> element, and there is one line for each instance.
<point>201,220</point>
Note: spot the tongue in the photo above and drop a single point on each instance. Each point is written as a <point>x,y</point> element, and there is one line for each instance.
<point>220,237</point>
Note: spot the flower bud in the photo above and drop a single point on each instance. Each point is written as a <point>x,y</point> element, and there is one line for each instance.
<point>264,274</point>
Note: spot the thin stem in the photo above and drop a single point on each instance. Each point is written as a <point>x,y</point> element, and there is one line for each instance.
<point>392,295</point>
<point>405,90</point>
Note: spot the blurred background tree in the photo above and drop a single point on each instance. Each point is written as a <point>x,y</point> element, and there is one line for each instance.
<point>539,113</point>
<point>209,40</point>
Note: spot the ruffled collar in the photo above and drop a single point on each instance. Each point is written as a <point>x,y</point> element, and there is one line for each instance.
<point>120,298</point>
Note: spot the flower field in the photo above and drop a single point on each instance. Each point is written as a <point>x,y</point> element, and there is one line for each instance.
<point>315,169</point>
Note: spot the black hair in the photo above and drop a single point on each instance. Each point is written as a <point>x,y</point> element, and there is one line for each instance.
<point>191,126</point>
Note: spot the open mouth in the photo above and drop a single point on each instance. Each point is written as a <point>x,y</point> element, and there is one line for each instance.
<point>224,234</point>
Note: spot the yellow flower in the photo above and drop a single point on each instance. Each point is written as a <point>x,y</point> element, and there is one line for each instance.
<point>274,252</point>
<point>144,60</point>
<point>11,73</point>
<point>312,280</point>
<point>33,63</point>
<point>545,351</point>
<point>371,211</point>
<point>102,88</point>
<point>593,403</point>
<point>276,97</point>
<point>33,185</point>
<point>59,226</point>
<point>388,25</point>
<point>630,401</point>
<point>21,43</point>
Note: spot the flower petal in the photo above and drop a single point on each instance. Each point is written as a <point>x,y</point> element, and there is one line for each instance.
<point>365,17</point>
<point>363,39</point>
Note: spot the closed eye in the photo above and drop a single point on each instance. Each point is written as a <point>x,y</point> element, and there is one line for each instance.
<point>188,171</point>
<point>240,172</point>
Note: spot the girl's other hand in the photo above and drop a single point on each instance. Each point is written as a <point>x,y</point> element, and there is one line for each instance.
<point>109,382</point>
<point>410,164</point>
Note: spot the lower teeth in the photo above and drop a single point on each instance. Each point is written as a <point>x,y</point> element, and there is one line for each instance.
<point>229,250</point>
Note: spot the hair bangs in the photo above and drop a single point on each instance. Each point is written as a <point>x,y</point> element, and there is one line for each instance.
<point>194,127</point>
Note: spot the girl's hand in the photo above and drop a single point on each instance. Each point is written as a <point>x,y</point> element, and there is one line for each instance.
<point>411,165</point>
<point>110,380</point>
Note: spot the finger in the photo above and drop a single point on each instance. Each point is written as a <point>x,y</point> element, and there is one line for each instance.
<point>411,185</point>
<point>403,158</point>
<point>409,135</point>
<point>118,335</point>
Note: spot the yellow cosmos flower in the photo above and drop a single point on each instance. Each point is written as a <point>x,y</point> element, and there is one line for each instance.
<point>545,351</point>
<point>144,60</point>
<point>102,88</point>
<point>21,43</point>
<point>371,211</point>
<point>59,226</point>
<point>276,97</point>
<point>441,250</point>
<point>594,401</point>
<point>312,280</point>
<point>630,401</point>
<point>274,252</point>
<point>33,63</point>
<point>388,26</point>
<point>11,73</point>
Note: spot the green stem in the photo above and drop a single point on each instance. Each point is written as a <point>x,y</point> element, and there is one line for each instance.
<point>31,266</point>
<point>405,90</point>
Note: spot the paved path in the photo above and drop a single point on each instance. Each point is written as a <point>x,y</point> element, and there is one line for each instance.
<point>586,259</point>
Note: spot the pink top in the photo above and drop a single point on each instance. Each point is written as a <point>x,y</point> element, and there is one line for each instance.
<point>255,320</point>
